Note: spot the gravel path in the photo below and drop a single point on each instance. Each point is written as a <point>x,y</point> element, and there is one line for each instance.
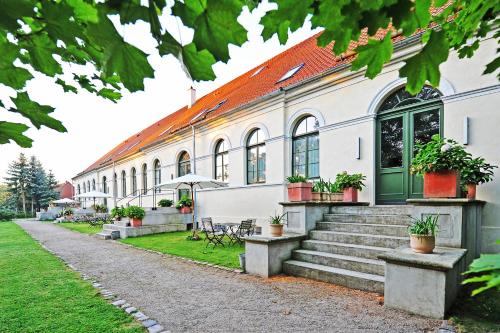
<point>184,296</point>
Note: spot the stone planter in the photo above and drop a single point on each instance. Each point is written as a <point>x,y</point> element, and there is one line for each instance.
<point>185,210</point>
<point>135,222</point>
<point>350,195</point>
<point>471,191</point>
<point>442,184</point>
<point>276,230</point>
<point>336,197</point>
<point>325,196</point>
<point>316,196</point>
<point>300,191</point>
<point>422,243</point>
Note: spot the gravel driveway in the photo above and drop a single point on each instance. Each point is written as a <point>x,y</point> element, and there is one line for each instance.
<point>184,296</point>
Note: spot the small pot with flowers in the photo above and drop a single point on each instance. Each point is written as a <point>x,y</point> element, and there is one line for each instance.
<point>136,214</point>
<point>440,162</point>
<point>276,225</point>
<point>475,171</point>
<point>423,234</point>
<point>299,189</point>
<point>350,185</point>
<point>184,205</point>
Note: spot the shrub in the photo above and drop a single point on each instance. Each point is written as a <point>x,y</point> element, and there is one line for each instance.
<point>100,208</point>
<point>135,212</point>
<point>6,214</point>
<point>165,203</point>
<point>427,226</point>
<point>296,179</point>
<point>345,180</point>
<point>68,212</point>
<point>118,212</point>
<point>184,201</point>
<point>476,171</point>
<point>485,269</point>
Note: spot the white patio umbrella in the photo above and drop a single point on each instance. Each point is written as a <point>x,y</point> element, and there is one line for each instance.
<point>190,182</point>
<point>64,202</point>
<point>93,195</point>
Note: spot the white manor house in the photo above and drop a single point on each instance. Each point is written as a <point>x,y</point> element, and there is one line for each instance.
<point>304,111</point>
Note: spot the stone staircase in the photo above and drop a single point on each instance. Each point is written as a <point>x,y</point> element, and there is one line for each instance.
<point>343,248</point>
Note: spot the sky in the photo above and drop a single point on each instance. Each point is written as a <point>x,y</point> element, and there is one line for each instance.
<point>96,125</point>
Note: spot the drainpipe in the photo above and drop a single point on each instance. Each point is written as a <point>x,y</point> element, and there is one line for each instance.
<point>113,182</point>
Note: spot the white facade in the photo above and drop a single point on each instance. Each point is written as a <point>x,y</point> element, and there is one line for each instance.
<point>345,104</point>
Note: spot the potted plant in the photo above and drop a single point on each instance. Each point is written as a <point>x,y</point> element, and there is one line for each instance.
<point>184,204</point>
<point>276,225</point>
<point>68,214</point>
<point>440,162</point>
<point>423,234</point>
<point>165,203</point>
<point>322,189</point>
<point>350,185</point>
<point>299,189</point>
<point>118,212</point>
<point>475,171</point>
<point>136,214</point>
<point>316,192</point>
<point>336,193</point>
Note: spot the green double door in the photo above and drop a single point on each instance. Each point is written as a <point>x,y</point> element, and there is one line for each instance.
<point>397,132</point>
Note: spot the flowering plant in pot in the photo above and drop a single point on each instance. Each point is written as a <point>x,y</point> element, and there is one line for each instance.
<point>184,204</point>
<point>299,189</point>
<point>136,214</point>
<point>423,234</point>
<point>276,225</point>
<point>475,171</point>
<point>165,203</point>
<point>440,162</point>
<point>350,185</point>
<point>336,193</point>
<point>118,212</point>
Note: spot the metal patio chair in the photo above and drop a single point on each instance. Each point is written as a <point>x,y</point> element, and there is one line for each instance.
<point>244,229</point>
<point>213,235</point>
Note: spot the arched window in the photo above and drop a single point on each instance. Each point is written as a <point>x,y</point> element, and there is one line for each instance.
<point>124,184</point>
<point>221,162</point>
<point>84,188</point>
<point>133,176</point>
<point>184,164</point>
<point>78,189</point>
<point>115,185</point>
<point>88,185</point>
<point>157,174</point>
<point>256,157</point>
<point>93,184</point>
<point>305,148</point>
<point>144,178</point>
<point>401,98</point>
<point>104,184</point>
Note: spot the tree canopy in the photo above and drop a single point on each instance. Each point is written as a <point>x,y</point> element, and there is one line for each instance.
<point>41,36</point>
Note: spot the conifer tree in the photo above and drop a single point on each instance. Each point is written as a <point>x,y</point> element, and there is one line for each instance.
<point>17,181</point>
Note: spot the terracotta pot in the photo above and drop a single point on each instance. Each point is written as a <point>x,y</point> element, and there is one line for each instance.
<point>350,195</point>
<point>471,191</point>
<point>442,184</point>
<point>135,222</point>
<point>300,191</point>
<point>336,197</point>
<point>185,210</point>
<point>325,196</point>
<point>316,196</point>
<point>276,230</point>
<point>422,243</point>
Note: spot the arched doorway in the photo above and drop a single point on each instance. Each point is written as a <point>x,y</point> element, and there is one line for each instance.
<point>402,121</point>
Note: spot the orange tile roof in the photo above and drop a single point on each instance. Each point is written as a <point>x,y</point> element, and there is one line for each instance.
<point>240,91</point>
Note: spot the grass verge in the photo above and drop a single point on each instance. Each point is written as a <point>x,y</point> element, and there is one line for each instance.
<point>175,243</point>
<point>39,293</point>
<point>83,227</point>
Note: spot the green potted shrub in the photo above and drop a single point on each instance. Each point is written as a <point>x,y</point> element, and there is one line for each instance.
<point>475,171</point>
<point>118,212</point>
<point>184,204</point>
<point>276,225</point>
<point>299,189</point>
<point>165,203</point>
<point>440,162</point>
<point>350,184</point>
<point>423,234</point>
<point>335,191</point>
<point>136,214</point>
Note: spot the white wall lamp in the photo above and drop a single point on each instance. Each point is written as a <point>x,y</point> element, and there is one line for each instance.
<point>357,153</point>
<point>465,139</point>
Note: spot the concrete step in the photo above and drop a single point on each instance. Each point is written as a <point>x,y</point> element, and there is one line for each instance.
<point>358,264</point>
<point>103,235</point>
<point>384,219</point>
<point>361,239</point>
<point>369,210</point>
<point>108,233</point>
<point>362,251</point>
<point>364,228</point>
<point>344,277</point>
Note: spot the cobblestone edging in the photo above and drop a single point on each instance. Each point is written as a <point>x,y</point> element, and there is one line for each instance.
<point>150,324</point>
<point>201,263</point>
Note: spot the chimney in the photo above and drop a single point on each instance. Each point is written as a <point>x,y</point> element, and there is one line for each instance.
<point>191,97</point>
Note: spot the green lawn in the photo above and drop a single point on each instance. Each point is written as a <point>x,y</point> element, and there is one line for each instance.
<point>480,313</point>
<point>38,293</point>
<point>175,243</point>
<point>83,227</point>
